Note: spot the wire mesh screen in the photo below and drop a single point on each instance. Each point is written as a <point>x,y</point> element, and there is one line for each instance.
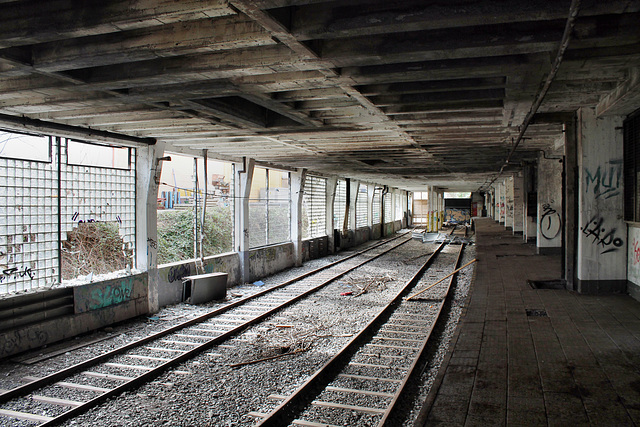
<point>28,220</point>
<point>388,213</point>
<point>314,207</point>
<point>44,200</point>
<point>340,204</point>
<point>362,219</point>
<point>376,206</point>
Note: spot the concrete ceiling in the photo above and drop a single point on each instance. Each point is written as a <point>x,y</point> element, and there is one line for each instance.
<point>407,93</point>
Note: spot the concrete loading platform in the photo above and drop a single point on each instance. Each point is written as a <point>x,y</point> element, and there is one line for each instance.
<point>525,356</point>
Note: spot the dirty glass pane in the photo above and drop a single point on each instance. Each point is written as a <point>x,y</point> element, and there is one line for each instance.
<point>258,202</point>
<point>86,154</point>
<point>25,147</point>
<point>218,222</point>
<point>176,209</point>
<point>279,212</point>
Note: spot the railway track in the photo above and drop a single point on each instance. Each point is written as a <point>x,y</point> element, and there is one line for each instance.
<point>372,369</point>
<point>93,381</point>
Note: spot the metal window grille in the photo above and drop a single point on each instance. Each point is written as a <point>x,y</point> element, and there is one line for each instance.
<point>314,207</point>
<point>399,208</point>
<point>362,219</point>
<point>42,201</point>
<point>339,204</point>
<point>376,205</point>
<point>388,214</point>
<point>420,208</point>
<point>631,167</point>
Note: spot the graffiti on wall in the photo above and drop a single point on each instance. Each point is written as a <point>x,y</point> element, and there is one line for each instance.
<point>21,339</point>
<point>111,294</point>
<point>177,272</point>
<point>604,182</point>
<point>636,251</point>
<point>457,215</point>
<point>550,222</point>
<point>606,238</point>
<point>15,273</point>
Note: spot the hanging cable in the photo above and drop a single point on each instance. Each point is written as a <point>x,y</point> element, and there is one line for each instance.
<point>564,44</point>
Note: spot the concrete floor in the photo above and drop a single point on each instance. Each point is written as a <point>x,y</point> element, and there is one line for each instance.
<point>579,365</point>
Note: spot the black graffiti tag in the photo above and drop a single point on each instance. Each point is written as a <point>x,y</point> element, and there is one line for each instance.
<point>177,272</point>
<point>550,222</point>
<point>595,229</point>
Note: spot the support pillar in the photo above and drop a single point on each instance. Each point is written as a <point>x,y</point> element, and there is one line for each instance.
<point>244,176</point>
<point>329,226</point>
<point>508,203</point>
<point>297,190</point>
<point>148,169</point>
<point>549,219</point>
<point>602,233</point>
<point>519,204</point>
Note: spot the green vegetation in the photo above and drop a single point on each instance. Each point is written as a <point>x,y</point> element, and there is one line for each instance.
<point>175,233</point>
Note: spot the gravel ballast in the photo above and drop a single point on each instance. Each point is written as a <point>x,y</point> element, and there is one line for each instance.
<point>206,390</point>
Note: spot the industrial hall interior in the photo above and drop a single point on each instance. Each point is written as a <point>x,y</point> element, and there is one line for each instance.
<point>319,213</point>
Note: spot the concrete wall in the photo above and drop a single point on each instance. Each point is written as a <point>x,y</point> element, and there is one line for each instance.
<point>315,248</point>
<point>602,236</point>
<point>170,275</point>
<point>95,305</point>
<point>362,234</point>
<point>519,204</point>
<point>508,203</point>
<point>270,260</point>
<point>633,257</point>
<point>549,221</point>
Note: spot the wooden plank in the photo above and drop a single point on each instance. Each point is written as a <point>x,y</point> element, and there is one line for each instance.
<point>311,424</point>
<point>170,350</point>
<point>371,365</point>
<point>193,336</point>
<point>56,401</point>
<point>138,356</point>
<point>107,376</point>
<point>347,407</point>
<point>378,337</point>
<point>399,347</point>
<point>181,342</point>
<point>365,392</point>
<point>123,366</point>
<point>24,416</point>
<point>364,377</point>
<point>82,387</point>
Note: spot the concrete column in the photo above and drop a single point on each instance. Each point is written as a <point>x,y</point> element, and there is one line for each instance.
<point>500,208</point>
<point>494,203</point>
<point>570,202</point>
<point>530,217</point>
<point>148,169</point>
<point>549,219</point>
<point>331,195</point>
<point>355,186</point>
<point>508,203</point>
<point>244,176</point>
<point>297,190</point>
<point>519,204</point>
<point>602,236</point>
